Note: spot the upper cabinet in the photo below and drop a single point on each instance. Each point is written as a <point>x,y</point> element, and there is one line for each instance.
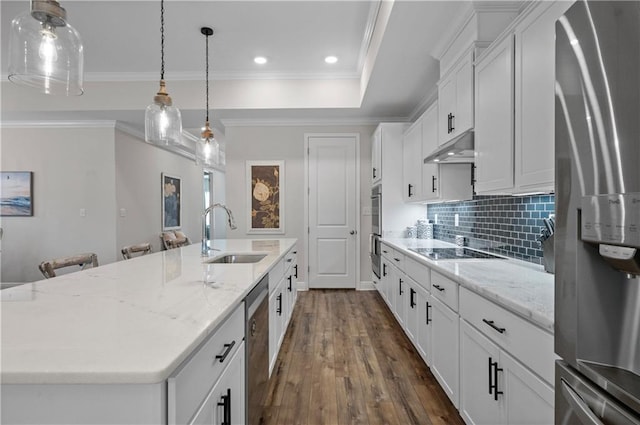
<point>535,98</point>
<point>514,105</point>
<point>431,182</point>
<point>376,156</point>
<point>494,119</point>
<point>455,98</point>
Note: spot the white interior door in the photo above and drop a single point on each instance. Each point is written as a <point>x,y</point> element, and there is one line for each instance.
<point>332,208</point>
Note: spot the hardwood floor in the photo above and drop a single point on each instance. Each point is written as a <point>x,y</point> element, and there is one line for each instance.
<point>345,360</point>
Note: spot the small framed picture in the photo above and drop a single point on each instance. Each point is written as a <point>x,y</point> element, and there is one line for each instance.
<point>265,196</point>
<point>171,202</point>
<point>16,191</point>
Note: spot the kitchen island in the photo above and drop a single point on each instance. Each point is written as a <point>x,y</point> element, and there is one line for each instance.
<point>117,332</point>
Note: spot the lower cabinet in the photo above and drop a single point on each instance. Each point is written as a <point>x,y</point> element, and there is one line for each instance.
<point>225,404</point>
<point>399,289</point>
<point>276,322</point>
<point>496,388</point>
<point>418,324</point>
<point>444,348</point>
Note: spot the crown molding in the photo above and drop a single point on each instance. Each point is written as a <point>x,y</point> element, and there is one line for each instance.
<point>59,124</point>
<point>305,122</point>
<point>374,10</point>
<point>427,101</point>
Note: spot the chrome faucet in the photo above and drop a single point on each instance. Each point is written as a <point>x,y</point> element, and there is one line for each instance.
<point>210,208</point>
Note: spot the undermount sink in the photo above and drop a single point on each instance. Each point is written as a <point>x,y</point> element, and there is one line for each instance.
<point>237,259</point>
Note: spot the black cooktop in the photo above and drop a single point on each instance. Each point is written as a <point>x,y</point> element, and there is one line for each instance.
<point>454,253</point>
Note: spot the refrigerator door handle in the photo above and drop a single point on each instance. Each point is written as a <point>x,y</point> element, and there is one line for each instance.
<point>580,408</point>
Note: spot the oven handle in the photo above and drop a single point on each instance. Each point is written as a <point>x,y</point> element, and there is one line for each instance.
<point>370,245</point>
<point>578,405</point>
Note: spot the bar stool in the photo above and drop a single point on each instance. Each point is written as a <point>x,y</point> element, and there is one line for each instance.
<point>141,248</point>
<point>173,239</point>
<point>85,261</point>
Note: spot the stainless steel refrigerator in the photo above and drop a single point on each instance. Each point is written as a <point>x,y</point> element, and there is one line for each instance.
<point>597,235</point>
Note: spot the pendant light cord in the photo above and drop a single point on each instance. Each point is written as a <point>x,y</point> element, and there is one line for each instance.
<point>207,74</point>
<point>162,39</point>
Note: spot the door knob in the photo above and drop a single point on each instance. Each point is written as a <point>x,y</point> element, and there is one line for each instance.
<point>353,232</point>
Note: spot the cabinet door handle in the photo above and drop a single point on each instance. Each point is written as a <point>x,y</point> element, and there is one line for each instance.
<point>433,183</point>
<point>449,123</point>
<point>410,191</point>
<point>494,386</point>
<point>296,269</point>
<point>400,285</point>
<point>384,269</point>
<point>226,407</point>
<point>453,120</point>
<point>412,293</point>
<point>374,172</point>
<point>290,278</point>
<point>438,287</point>
<point>493,325</point>
<point>428,318</point>
<point>279,309</point>
<point>228,347</point>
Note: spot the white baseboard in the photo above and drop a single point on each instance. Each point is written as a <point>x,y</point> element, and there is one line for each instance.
<point>366,285</point>
<point>302,286</point>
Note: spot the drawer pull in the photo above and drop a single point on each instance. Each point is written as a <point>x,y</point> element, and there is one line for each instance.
<point>228,348</point>
<point>226,408</point>
<point>289,260</point>
<point>438,287</point>
<point>397,259</point>
<point>493,325</point>
<point>385,251</point>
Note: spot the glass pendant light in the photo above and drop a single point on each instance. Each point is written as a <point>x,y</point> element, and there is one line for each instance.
<point>162,120</point>
<point>45,52</point>
<point>208,147</point>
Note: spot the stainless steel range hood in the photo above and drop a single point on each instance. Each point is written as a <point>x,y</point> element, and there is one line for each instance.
<point>458,150</point>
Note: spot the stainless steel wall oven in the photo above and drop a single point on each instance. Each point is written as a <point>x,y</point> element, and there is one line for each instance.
<point>376,229</point>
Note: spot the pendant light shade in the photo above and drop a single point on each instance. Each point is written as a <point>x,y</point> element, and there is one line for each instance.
<point>162,120</point>
<point>45,52</point>
<point>208,149</point>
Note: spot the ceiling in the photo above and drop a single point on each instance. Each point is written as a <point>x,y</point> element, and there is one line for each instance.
<point>387,67</point>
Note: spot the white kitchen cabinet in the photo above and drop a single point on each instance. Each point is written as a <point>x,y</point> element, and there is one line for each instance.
<point>535,97</point>
<point>445,348</point>
<point>494,124</point>
<point>455,97</point>
<point>431,182</point>
<point>497,389</point>
<point>400,294</point>
<point>396,215</point>
<point>376,156</point>
<point>276,322</point>
<point>189,385</point>
<point>412,162</point>
<point>225,403</point>
<point>416,325</point>
<point>478,404</point>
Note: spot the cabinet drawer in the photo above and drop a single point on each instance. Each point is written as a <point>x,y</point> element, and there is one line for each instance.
<point>418,272</point>
<point>525,341</point>
<point>290,259</point>
<point>445,289</point>
<point>193,380</point>
<point>395,257</point>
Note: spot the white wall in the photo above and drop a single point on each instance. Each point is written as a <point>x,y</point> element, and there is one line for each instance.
<point>72,170</point>
<point>101,170</point>
<point>138,169</point>
<point>287,143</point>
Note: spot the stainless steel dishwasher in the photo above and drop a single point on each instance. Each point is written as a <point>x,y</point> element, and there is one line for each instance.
<point>257,346</point>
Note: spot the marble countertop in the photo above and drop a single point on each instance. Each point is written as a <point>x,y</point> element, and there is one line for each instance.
<point>521,287</point>
<point>131,321</point>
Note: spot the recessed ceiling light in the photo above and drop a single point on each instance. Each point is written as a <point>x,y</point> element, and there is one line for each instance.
<point>331,59</point>
<point>260,60</point>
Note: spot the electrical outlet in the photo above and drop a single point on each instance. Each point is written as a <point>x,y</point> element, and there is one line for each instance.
<point>435,219</point>
<point>366,210</point>
<point>456,220</point>
<point>83,212</point>
<point>123,212</point>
